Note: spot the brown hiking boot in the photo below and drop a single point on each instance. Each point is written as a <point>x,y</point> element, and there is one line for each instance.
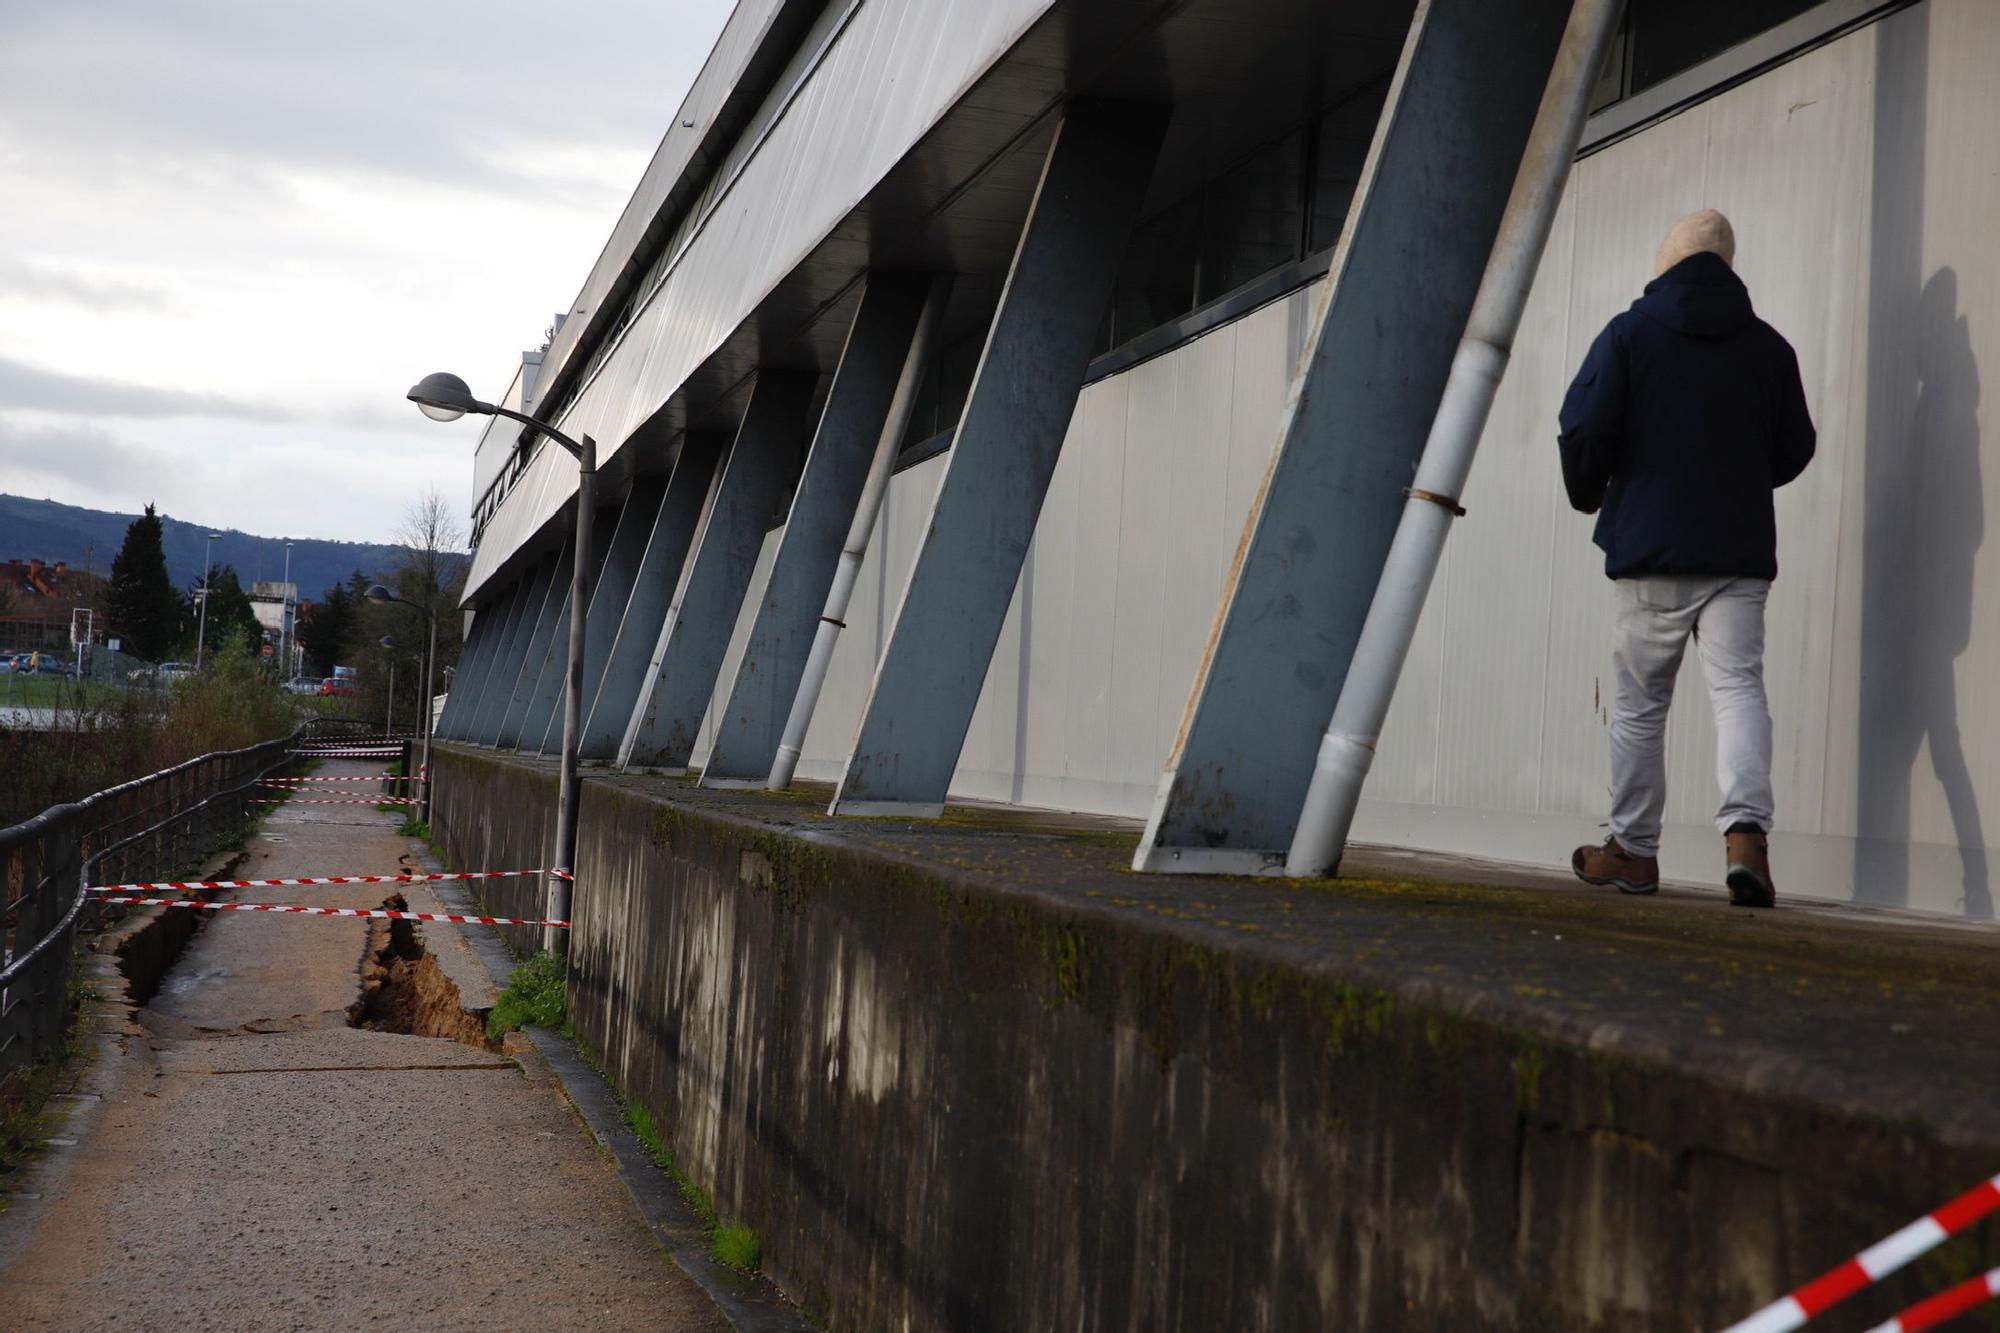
<point>1613,865</point>
<point>1749,875</point>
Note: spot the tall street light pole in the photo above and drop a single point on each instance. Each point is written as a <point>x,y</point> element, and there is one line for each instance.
<point>285,621</point>
<point>389,718</point>
<point>378,592</point>
<point>445,397</point>
<point>201,628</point>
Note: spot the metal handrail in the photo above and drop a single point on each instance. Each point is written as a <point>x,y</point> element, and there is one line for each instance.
<point>67,841</point>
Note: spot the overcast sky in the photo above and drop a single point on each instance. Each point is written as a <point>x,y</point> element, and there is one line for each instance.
<point>234,234</point>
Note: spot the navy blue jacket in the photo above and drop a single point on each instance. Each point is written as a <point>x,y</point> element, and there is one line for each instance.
<point>1687,413</point>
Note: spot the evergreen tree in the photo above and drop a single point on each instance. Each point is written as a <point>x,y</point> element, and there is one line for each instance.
<point>326,634</point>
<point>229,612</point>
<point>144,609</point>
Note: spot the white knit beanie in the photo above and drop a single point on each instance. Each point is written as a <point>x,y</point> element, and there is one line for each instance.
<point>1707,230</point>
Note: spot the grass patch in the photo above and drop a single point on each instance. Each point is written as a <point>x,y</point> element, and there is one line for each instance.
<point>25,1092</point>
<point>415,828</point>
<point>738,1247</point>
<point>735,1247</point>
<point>534,996</point>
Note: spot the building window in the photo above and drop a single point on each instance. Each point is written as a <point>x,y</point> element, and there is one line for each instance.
<point>1661,38</point>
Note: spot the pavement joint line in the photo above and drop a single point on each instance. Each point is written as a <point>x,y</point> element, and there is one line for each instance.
<point>484,1067</point>
<point>751,1303</point>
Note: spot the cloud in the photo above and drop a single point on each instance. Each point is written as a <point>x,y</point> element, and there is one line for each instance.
<point>48,283</point>
<point>38,389</point>
<point>375,85</point>
<point>77,456</point>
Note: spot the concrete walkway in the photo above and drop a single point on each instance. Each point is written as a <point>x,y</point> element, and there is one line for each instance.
<point>255,1162</point>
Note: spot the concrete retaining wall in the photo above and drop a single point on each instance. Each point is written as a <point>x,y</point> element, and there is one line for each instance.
<point>947,1101</point>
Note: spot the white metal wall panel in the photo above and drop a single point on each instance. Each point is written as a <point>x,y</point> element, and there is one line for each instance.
<point>895,69</point>
<point>719,73</point>
<point>496,442</point>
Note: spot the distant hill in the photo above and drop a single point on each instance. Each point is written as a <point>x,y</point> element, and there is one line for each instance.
<point>90,538</point>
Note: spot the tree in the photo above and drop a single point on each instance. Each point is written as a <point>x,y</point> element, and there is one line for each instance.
<point>429,577</point>
<point>328,632</point>
<point>230,617</point>
<point>144,609</point>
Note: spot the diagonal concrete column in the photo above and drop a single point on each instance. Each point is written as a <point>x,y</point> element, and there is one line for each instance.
<point>544,717</point>
<point>623,559</point>
<point>680,677</point>
<point>850,426</point>
<point>492,625</point>
<point>498,690</point>
<point>472,657</point>
<point>1003,455</point>
<point>609,710</point>
<point>1423,220</point>
<point>551,627</point>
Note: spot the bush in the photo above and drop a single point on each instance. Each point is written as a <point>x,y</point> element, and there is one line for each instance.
<point>101,738</point>
<point>534,996</point>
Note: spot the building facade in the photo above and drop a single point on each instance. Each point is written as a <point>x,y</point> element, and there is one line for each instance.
<point>1114,557</point>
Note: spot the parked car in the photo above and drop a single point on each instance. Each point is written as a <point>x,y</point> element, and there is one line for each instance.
<point>143,675</point>
<point>303,685</point>
<point>172,671</point>
<point>338,687</point>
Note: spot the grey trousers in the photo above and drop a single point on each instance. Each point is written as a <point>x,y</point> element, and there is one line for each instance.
<point>1656,617</point>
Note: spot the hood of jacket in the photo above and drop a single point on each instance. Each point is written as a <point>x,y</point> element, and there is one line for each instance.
<point>1701,296</point>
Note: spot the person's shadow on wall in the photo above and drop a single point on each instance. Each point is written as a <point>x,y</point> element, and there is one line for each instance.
<point>1926,518</point>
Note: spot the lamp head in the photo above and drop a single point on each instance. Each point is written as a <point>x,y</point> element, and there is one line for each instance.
<point>388,641</point>
<point>377,592</point>
<point>445,397</point>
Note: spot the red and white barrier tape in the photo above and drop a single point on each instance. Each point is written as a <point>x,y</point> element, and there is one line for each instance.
<point>351,777</point>
<point>377,913</point>
<point>1966,1296</point>
<point>351,749</point>
<point>336,800</point>
<point>187,885</point>
<point>1874,1263</point>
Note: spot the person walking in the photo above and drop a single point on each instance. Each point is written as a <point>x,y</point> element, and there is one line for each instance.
<point>1687,414</point>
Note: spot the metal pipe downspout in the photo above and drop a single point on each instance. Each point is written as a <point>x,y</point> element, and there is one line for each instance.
<point>568,791</point>
<point>1348,749</point>
<point>848,571</point>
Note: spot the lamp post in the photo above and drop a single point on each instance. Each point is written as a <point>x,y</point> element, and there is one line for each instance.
<point>445,397</point>
<point>389,717</point>
<point>285,621</point>
<point>381,593</point>
<point>201,629</point>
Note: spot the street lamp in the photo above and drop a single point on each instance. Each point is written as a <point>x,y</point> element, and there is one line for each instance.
<point>285,620</point>
<point>380,593</point>
<point>389,719</point>
<point>445,397</point>
<point>201,630</point>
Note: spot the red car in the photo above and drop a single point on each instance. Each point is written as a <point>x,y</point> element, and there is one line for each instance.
<point>337,687</point>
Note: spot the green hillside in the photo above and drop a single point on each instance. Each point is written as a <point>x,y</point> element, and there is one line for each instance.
<point>89,538</point>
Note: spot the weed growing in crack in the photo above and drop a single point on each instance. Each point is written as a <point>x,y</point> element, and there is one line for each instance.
<point>736,1247</point>
<point>534,996</point>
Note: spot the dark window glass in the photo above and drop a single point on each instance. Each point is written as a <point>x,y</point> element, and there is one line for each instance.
<point>1344,134</point>
<point>1252,218</point>
<point>1662,38</point>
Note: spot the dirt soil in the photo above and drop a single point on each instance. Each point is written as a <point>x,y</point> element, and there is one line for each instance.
<point>258,1162</point>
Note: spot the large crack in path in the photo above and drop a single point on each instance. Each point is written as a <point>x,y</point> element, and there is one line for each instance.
<point>257,1161</point>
